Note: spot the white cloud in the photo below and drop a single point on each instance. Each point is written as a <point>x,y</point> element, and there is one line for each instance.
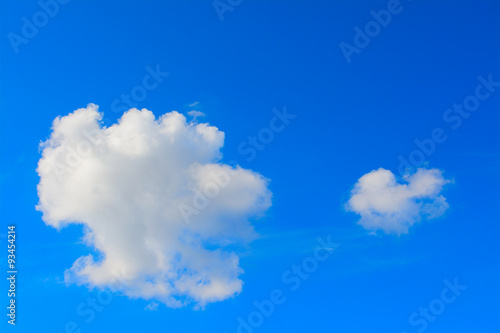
<point>195,114</point>
<point>384,204</point>
<point>125,184</point>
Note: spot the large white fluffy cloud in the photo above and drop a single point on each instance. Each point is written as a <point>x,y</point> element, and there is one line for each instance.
<point>384,204</point>
<point>165,218</point>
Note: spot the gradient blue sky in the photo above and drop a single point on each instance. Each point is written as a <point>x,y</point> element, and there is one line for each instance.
<point>351,118</point>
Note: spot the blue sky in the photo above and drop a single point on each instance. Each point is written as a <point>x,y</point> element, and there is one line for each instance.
<point>351,118</point>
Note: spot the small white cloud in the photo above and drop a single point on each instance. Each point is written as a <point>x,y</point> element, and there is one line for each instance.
<point>195,114</point>
<point>153,306</point>
<point>194,104</point>
<point>127,183</point>
<point>384,204</point>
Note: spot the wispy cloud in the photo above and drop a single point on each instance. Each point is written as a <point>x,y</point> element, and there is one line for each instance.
<point>195,114</point>
<point>153,306</point>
